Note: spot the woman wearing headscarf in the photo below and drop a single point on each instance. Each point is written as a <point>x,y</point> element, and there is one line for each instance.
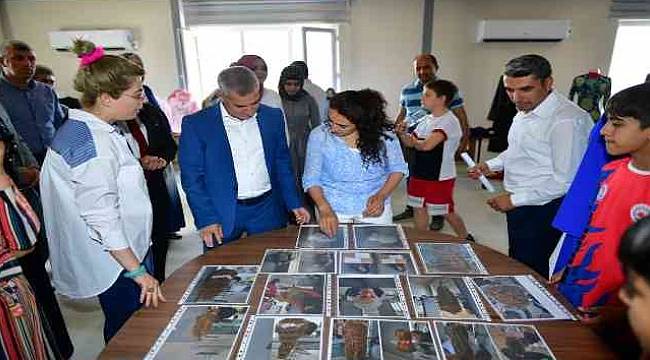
<point>258,65</point>
<point>301,113</point>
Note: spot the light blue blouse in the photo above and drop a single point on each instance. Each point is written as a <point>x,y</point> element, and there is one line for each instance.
<point>347,183</point>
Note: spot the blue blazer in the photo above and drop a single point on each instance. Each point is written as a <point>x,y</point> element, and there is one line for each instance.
<point>207,170</point>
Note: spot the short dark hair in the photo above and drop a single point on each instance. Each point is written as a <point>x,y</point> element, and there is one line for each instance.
<point>431,58</point>
<point>42,71</point>
<point>303,67</point>
<point>17,45</point>
<point>632,102</point>
<point>531,64</point>
<point>634,250</point>
<point>443,87</point>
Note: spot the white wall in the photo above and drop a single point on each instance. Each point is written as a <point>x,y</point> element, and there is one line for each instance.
<point>378,45</point>
<point>476,67</point>
<point>150,20</point>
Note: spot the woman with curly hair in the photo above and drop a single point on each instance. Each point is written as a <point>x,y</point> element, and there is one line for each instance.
<point>354,162</point>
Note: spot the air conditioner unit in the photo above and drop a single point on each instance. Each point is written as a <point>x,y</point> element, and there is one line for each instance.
<point>118,39</point>
<point>523,30</point>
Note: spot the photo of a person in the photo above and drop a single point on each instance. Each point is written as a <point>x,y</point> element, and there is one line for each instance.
<point>370,296</point>
<point>293,294</point>
<point>448,258</point>
<point>295,338</point>
<point>379,237</point>
<point>440,297</point>
<point>299,261</point>
<point>377,262</point>
<point>311,237</point>
<point>221,284</point>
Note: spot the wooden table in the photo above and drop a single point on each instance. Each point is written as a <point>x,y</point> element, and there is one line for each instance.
<point>567,339</point>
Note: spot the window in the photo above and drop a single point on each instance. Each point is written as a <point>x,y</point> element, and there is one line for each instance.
<point>210,49</point>
<point>630,58</point>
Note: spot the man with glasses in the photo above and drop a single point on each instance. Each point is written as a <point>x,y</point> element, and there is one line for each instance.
<point>235,164</point>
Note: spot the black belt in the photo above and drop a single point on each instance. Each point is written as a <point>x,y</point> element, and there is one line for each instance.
<point>256,200</point>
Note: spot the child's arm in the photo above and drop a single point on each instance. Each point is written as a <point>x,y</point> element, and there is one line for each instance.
<point>431,142</point>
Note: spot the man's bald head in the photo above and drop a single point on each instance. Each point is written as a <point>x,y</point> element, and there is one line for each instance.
<point>425,67</point>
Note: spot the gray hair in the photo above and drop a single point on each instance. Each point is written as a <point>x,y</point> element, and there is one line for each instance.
<point>16,45</point>
<point>238,79</point>
<point>531,64</point>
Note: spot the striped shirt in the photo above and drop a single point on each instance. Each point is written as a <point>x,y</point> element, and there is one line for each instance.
<point>411,100</point>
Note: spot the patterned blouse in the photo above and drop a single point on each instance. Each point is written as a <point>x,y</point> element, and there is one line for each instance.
<point>348,183</point>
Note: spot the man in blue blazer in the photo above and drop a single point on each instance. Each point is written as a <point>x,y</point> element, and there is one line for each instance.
<point>235,164</point>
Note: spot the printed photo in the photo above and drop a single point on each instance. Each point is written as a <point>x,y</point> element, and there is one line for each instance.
<point>221,284</point>
<point>298,261</point>
<point>310,237</point>
<point>371,296</point>
<point>381,339</point>
<point>520,298</point>
<point>200,332</point>
<point>377,262</point>
<point>450,258</point>
<point>379,237</point>
<point>296,338</point>
<point>491,341</point>
<point>293,295</point>
<point>440,297</point>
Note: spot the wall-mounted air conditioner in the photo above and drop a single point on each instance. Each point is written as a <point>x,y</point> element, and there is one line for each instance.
<point>118,39</point>
<point>523,30</point>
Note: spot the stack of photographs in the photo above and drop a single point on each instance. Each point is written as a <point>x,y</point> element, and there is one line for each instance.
<point>277,337</point>
<point>444,297</point>
<point>295,294</point>
<point>379,237</point>
<point>311,237</point>
<point>299,261</point>
<point>521,298</point>
<point>450,258</point>
<point>372,296</point>
<point>460,340</point>
<point>377,262</point>
<point>381,339</point>
<point>200,332</point>
<point>221,284</point>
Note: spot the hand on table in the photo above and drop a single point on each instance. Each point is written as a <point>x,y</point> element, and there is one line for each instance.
<point>328,221</point>
<point>302,215</point>
<point>150,292</point>
<point>212,233</point>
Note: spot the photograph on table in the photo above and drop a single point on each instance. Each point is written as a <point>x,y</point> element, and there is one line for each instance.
<point>277,337</point>
<point>293,261</point>
<point>368,236</point>
<point>446,297</point>
<point>377,262</point>
<point>311,237</point>
<point>221,284</point>
<point>521,298</point>
<point>200,332</point>
<point>464,340</point>
<point>371,339</point>
<point>374,296</point>
<point>450,258</point>
<point>294,294</point>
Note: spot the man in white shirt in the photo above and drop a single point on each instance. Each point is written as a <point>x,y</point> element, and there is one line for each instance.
<point>547,139</point>
<point>235,164</point>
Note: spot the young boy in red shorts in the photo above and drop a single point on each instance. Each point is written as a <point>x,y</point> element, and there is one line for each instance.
<point>595,274</point>
<point>435,139</point>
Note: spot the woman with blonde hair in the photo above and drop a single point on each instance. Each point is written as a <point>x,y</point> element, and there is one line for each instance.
<point>96,208</point>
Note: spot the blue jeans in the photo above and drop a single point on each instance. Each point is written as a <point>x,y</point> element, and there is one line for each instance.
<point>121,300</point>
<point>269,214</point>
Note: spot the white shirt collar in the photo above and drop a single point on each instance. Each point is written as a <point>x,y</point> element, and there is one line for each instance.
<point>225,115</point>
<point>91,119</point>
<point>546,107</point>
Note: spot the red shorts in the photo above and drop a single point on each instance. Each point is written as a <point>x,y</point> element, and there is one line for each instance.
<point>437,196</point>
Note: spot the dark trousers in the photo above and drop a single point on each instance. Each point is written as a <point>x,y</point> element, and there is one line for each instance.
<point>531,238</point>
<point>159,247</point>
<point>121,300</point>
<point>266,215</point>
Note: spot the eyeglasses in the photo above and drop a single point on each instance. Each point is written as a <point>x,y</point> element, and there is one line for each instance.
<point>329,123</point>
<point>140,96</point>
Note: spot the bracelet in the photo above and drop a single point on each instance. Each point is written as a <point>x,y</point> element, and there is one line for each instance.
<point>139,271</point>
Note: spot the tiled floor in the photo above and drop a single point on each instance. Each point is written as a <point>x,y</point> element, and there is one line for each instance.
<point>85,320</point>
